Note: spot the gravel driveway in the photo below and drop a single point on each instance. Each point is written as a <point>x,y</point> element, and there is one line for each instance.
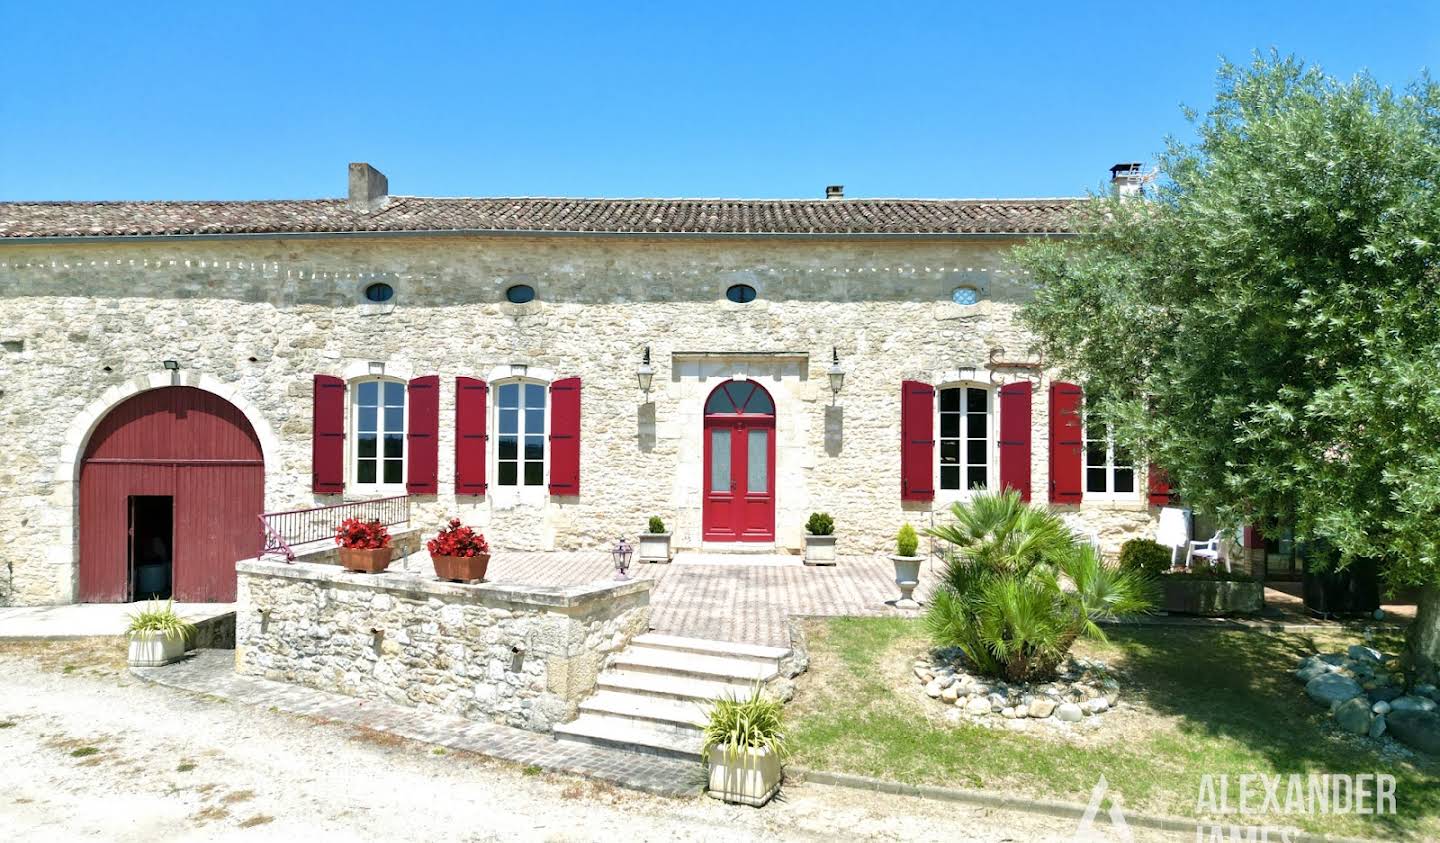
<point>90,752</point>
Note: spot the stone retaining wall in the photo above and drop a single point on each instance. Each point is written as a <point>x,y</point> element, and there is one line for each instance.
<point>520,655</point>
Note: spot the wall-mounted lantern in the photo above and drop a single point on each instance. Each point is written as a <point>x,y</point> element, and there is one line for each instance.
<point>645,373</point>
<point>171,365</point>
<point>836,373</point>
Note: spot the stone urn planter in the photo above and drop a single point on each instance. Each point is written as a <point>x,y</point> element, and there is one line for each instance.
<point>154,649</point>
<point>907,576</point>
<point>746,777</point>
<point>366,560</point>
<point>655,547</point>
<point>819,550</point>
<point>1210,598</point>
<point>461,568</point>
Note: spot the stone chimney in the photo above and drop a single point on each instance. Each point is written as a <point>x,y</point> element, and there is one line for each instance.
<point>1127,180</point>
<point>834,191</point>
<point>369,189</point>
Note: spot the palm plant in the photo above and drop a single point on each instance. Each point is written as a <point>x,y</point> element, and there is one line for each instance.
<point>1019,589</point>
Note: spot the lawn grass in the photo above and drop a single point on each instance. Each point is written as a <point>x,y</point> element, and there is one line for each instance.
<point>1213,702</point>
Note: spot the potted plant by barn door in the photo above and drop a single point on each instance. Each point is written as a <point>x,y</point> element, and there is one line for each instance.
<point>158,635</point>
<point>459,553</point>
<point>820,539</point>
<point>655,544</point>
<point>364,546</point>
<point>744,745</point>
<point>907,566</point>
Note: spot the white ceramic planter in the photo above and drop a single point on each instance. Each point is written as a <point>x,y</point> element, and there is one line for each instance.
<point>907,576</point>
<point>151,649</point>
<point>750,777</point>
<point>655,547</point>
<point>820,550</point>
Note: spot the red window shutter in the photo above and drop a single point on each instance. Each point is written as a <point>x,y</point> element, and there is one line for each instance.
<point>1253,538</point>
<point>422,435</point>
<point>565,437</point>
<point>1067,443</point>
<point>327,443</point>
<point>917,441</point>
<point>1159,486</point>
<point>1015,437</point>
<point>471,403</point>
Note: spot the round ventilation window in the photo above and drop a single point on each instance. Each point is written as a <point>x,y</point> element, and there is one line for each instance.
<point>520,293</point>
<point>965,295</point>
<point>379,293</point>
<point>741,293</point>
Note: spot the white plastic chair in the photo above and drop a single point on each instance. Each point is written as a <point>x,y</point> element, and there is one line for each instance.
<point>1206,550</point>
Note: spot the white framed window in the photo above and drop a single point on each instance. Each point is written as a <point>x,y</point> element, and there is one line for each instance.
<point>1109,468</point>
<point>377,429</point>
<point>966,441</point>
<point>521,457</point>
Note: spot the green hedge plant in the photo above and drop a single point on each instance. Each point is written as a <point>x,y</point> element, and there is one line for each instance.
<point>1146,556</point>
<point>656,525</point>
<point>820,524</point>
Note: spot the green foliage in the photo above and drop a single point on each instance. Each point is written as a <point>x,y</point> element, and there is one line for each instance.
<point>1003,600</point>
<point>1146,556</point>
<point>1265,326</point>
<point>755,722</point>
<point>161,619</point>
<point>906,542</point>
<point>656,525</point>
<point>820,524</point>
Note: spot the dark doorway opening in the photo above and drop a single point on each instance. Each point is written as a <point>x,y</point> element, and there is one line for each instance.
<point>152,544</point>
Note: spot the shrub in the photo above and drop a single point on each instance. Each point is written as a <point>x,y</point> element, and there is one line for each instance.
<point>1204,570</point>
<point>357,534</point>
<point>458,540</point>
<point>1146,556</point>
<point>162,620</point>
<point>756,722</point>
<point>1002,601</point>
<point>820,524</point>
<point>906,542</point>
<point>656,525</point>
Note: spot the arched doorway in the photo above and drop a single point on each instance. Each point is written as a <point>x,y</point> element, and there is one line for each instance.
<point>170,483</point>
<point>739,463</point>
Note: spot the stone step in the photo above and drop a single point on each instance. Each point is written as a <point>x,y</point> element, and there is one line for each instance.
<point>688,715</point>
<point>721,668</point>
<point>632,736</point>
<point>665,686</point>
<point>751,652</point>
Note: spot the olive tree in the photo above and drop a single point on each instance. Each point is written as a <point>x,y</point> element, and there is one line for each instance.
<point>1265,323</point>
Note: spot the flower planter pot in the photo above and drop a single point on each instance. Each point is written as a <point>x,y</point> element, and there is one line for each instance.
<point>907,576</point>
<point>655,547</point>
<point>750,777</point>
<point>461,568</point>
<point>152,649</point>
<point>820,550</point>
<point>1211,598</point>
<point>366,560</point>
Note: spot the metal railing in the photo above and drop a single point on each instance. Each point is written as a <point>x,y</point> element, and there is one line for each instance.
<point>284,531</point>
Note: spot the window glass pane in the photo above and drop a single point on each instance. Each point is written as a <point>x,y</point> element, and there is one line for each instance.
<point>977,400</point>
<point>720,459</point>
<point>507,474</point>
<point>739,393</point>
<point>950,400</point>
<point>949,451</point>
<point>366,472</point>
<point>1095,480</point>
<point>510,395</point>
<point>1122,456</point>
<point>365,445</point>
<point>535,420</point>
<point>975,452</point>
<point>367,392</point>
<point>534,448</point>
<point>1124,480</point>
<point>757,455</point>
<point>949,477</point>
<point>509,421</point>
<point>366,419</point>
<point>760,404</point>
<point>395,418</point>
<point>1095,453</point>
<point>534,395</point>
<point>976,477</point>
<point>394,445</point>
<point>949,425</point>
<point>534,474</point>
<point>508,448</point>
<point>394,394</point>
<point>394,471</point>
<point>719,402</point>
<point>975,427</point>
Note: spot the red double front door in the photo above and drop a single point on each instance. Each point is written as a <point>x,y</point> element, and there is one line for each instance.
<point>739,464</point>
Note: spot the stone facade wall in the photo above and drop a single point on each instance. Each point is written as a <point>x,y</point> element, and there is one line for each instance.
<point>518,655</point>
<point>84,325</point>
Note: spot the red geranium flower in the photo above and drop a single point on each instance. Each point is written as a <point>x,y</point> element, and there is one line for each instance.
<point>458,540</point>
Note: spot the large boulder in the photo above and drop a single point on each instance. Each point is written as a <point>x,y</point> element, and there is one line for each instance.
<point>1361,653</point>
<point>1332,688</point>
<point>1417,729</point>
<point>1069,712</point>
<point>1386,693</point>
<point>1410,703</point>
<point>1311,670</point>
<point>1354,716</point>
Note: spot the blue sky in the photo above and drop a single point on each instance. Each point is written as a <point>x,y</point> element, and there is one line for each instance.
<point>271,100</point>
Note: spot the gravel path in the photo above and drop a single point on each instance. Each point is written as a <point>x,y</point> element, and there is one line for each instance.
<point>90,752</point>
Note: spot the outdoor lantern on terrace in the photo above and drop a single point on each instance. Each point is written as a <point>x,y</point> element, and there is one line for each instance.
<point>836,373</point>
<point>621,556</point>
<point>645,374</point>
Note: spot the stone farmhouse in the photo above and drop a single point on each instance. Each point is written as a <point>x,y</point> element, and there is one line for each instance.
<point>552,371</point>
